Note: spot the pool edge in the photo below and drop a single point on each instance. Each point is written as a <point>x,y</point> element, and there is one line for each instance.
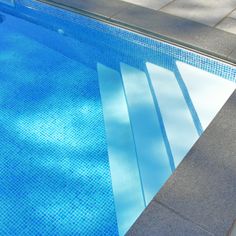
<point>207,41</point>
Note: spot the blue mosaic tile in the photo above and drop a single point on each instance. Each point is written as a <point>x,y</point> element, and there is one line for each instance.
<point>54,171</point>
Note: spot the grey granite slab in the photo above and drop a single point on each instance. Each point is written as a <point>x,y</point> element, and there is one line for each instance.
<point>232,56</point>
<point>233,14</point>
<point>228,24</point>
<point>159,220</point>
<point>203,188</point>
<point>208,12</point>
<point>162,24</point>
<point>189,33</point>
<point>152,4</point>
<point>159,22</point>
<point>218,42</point>
<point>102,7</point>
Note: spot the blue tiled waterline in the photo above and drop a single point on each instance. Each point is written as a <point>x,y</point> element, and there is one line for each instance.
<point>93,119</point>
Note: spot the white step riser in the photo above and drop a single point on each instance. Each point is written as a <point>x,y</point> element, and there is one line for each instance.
<point>126,182</point>
<point>180,129</point>
<point>151,151</point>
<point>208,92</point>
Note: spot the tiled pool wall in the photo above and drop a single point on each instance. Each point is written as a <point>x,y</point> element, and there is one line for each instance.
<point>126,42</point>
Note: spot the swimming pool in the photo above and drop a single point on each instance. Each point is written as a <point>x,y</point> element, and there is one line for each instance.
<point>93,119</point>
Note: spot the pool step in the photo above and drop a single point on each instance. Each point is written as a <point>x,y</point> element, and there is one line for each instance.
<point>126,179</point>
<point>208,92</point>
<point>152,117</point>
<point>150,147</point>
<point>179,126</point>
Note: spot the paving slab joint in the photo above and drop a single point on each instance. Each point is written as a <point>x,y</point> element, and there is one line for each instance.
<point>228,15</point>
<point>166,5</point>
<point>202,227</point>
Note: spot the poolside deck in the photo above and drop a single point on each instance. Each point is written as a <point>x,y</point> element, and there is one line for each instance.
<point>218,14</point>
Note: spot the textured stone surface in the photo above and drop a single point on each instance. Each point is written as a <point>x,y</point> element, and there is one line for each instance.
<point>203,188</point>
<point>233,14</point>
<point>153,4</point>
<point>228,24</point>
<point>232,56</point>
<point>101,7</point>
<point>162,23</point>
<point>208,12</point>
<point>161,221</point>
<point>218,42</point>
<point>196,35</point>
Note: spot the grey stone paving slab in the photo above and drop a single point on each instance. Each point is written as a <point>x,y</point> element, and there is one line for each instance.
<point>190,33</point>
<point>208,12</point>
<point>96,7</point>
<point>232,56</point>
<point>203,188</point>
<point>153,4</point>
<point>159,220</point>
<point>219,42</point>
<point>233,14</point>
<point>162,23</point>
<point>228,24</point>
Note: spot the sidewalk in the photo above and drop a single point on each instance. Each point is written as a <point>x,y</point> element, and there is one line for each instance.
<point>219,14</point>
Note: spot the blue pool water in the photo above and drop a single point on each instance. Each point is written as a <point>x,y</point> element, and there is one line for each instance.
<point>93,119</point>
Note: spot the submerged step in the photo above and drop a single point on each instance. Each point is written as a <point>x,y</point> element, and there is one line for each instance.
<point>180,129</point>
<point>126,181</point>
<point>208,92</point>
<point>153,159</point>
